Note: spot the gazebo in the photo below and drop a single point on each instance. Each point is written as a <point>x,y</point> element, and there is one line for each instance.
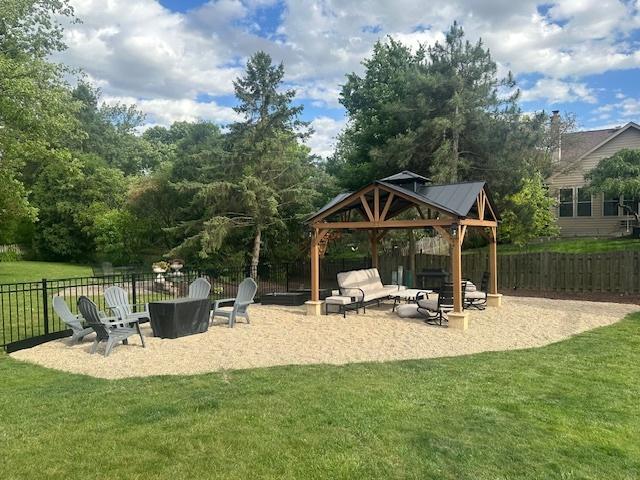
<point>449,209</point>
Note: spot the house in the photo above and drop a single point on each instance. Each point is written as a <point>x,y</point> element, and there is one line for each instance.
<point>576,153</point>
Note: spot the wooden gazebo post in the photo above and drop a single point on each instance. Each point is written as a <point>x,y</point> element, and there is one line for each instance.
<point>494,299</point>
<point>314,306</point>
<point>458,318</point>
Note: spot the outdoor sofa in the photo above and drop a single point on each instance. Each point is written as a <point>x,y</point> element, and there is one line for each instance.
<point>365,286</point>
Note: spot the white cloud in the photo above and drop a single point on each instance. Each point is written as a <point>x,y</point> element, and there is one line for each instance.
<point>558,91</point>
<point>164,111</point>
<point>165,60</point>
<point>326,130</point>
<point>627,108</point>
<point>141,49</point>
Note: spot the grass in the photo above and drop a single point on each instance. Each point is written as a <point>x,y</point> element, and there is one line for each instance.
<point>11,272</point>
<point>21,307</point>
<point>573,245</point>
<point>565,411</point>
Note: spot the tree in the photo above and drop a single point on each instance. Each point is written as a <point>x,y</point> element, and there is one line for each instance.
<point>618,175</point>
<point>378,112</point>
<point>110,131</point>
<point>528,213</point>
<point>441,111</point>
<point>260,179</point>
<point>71,194</point>
<point>37,112</point>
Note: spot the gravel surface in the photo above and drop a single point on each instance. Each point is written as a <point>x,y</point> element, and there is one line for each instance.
<point>285,336</point>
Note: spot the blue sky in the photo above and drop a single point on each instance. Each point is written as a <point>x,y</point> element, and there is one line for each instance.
<point>176,59</point>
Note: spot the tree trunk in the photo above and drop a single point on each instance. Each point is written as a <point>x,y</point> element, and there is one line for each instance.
<point>255,254</point>
<point>455,150</point>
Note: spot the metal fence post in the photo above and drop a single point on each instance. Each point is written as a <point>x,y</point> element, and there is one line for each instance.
<point>286,275</point>
<point>45,305</point>
<point>134,292</point>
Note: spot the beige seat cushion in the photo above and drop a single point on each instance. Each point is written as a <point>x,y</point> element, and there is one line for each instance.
<point>432,304</point>
<point>476,295</point>
<point>338,300</point>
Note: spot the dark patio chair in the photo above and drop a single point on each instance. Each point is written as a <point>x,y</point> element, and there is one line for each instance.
<point>478,298</point>
<point>108,329</point>
<point>436,310</point>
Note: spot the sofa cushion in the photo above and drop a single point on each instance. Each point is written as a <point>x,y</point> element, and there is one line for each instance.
<point>366,279</point>
<point>375,294</point>
<point>470,287</point>
<point>338,300</point>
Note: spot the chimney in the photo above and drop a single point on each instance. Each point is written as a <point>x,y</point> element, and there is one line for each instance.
<point>556,137</point>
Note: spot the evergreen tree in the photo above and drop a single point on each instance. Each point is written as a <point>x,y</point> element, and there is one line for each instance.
<point>262,179</point>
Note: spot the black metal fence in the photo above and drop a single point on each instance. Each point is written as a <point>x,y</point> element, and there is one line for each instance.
<point>27,318</point>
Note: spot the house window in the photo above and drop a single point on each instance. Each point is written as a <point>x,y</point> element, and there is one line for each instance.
<point>610,206</point>
<point>566,202</point>
<point>631,203</point>
<point>584,203</point>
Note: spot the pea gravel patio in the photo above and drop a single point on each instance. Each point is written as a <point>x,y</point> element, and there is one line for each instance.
<point>285,336</point>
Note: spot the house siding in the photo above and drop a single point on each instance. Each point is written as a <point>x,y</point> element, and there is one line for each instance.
<point>597,224</point>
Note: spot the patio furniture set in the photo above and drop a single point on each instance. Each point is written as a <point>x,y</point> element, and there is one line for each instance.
<point>170,318</point>
<point>358,289</point>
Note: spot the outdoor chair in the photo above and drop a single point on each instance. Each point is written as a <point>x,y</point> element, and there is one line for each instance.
<point>118,302</point>
<point>74,322</point>
<point>199,288</point>
<point>108,329</point>
<point>246,292</point>
<point>436,310</point>
<point>478,298</point>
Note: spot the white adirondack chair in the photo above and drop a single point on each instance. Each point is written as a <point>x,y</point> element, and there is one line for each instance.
<point>199,288</point>
<point>74,322</point>
<point>117,300</point>
<point>246,291</point>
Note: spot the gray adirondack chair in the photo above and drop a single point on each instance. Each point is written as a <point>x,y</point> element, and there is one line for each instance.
<point>108,329</point>
<point>74,322</point>
<point>118,302</point>
<point>246,292</point>
<point>199,288</point>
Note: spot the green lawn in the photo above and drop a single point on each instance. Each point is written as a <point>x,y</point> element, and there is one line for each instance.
<point>573,245</point>
<point>23,271</point>
<point>566,411</point>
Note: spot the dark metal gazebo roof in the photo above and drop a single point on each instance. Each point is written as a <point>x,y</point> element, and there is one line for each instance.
<point>456,199</point>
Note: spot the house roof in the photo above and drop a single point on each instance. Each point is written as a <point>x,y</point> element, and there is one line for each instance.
<point>456,199</point>
<point>576,144</point>
<point>581,144</point>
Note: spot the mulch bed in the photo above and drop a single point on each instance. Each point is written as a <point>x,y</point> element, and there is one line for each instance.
<point>633,298</point>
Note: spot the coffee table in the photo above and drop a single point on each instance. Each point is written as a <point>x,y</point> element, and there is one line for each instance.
<point>408,295</point>
<point>179,317</point>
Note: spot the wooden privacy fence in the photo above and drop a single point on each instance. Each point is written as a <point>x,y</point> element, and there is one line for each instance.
<point>615,272</point>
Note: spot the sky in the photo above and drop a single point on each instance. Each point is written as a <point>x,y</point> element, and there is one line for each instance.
<point>177,59</point>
